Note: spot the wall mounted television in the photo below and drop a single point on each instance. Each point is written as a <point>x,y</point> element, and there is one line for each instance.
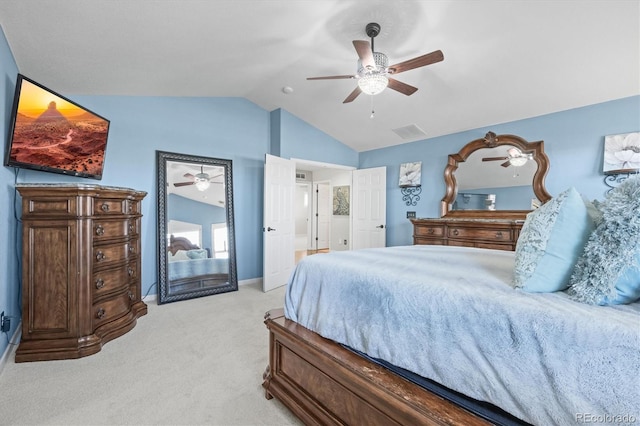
<point>51,133</point>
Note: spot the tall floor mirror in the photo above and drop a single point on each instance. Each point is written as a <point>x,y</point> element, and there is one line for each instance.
<point>196,244</point>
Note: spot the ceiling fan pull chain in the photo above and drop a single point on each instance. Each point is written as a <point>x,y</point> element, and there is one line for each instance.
<point>373,113</point>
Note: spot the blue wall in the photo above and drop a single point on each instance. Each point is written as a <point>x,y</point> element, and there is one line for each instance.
<point>300,140</point>
<point>573,141</point>
<point>10,242</point>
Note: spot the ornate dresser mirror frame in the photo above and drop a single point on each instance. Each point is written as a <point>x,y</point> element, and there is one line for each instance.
<point>196,238</point>
<point>534,151</point>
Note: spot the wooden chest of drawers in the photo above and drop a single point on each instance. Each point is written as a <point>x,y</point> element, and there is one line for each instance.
<point>500,234</point>
<point>80,268</point>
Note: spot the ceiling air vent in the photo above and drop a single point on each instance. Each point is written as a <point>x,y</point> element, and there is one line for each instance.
<point>410,132</point>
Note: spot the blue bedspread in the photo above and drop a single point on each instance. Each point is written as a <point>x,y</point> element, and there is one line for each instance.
<point>450,314</point>
<point>197,267</point>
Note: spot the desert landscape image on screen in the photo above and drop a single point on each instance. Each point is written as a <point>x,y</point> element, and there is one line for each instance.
<point>52,132</point>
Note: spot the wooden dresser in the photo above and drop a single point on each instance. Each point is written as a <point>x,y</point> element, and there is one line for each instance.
<point>500,234</point>
<point>80,268</point>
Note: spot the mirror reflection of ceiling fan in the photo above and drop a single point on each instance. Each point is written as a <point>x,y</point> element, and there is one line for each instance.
<point>374,73</point>
<point>515,158</point>
<point>201,180</point>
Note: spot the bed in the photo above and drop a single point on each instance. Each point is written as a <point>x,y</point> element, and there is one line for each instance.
<point>189,267</point>
<point>448,335</point>
<point>486,353</point>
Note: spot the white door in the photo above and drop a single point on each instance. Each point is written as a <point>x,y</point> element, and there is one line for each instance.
<point>369,214</point>
<point>278,229</point>
<point>323,216</point>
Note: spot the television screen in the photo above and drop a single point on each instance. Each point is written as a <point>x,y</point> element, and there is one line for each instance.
<point>54,134</point>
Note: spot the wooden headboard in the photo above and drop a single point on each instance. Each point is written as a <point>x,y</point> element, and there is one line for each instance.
<point>180,243</point>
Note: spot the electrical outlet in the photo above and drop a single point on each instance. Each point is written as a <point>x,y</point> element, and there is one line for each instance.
<point>5,323</point>
<point>345,242</point>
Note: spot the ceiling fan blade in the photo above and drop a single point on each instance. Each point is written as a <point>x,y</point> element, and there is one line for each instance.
<point>352,95</point>
<point>420,61</point>
<point>401,87</point>
<point>183,183</point>
<point>189,175</point>
<point>331,77</point>
<point>506,163</point>
<point>365,54</point>
<point>494,158</point>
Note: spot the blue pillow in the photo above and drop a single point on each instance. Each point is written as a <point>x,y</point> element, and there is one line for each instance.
<point>197,254</point>
<point>608,273</point>
<point>550,243</point>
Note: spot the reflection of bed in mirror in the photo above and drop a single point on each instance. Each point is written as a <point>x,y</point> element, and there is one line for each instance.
<point>191,267</point>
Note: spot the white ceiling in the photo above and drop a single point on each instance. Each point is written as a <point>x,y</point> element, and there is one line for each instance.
<point>504,60</point>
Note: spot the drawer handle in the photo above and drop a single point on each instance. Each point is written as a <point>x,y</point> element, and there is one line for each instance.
<point>100,256</point>
<point>131,272</point>
<point>455,232</point>
<point>431,231</point>
<point>499,234</point>
<point>131,227</point>
<point>99,230</point>
<point>101,313</point>
<point>104,207</point>
<point>132,249</point>
<point>130,208</point>
<point>131,295</point>
<point>99,283</point>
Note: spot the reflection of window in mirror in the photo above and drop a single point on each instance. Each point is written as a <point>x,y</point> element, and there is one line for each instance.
<point>220,240</point>
<point>190,231</point>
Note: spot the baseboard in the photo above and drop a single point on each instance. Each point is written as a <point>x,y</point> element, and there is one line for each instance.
<point>11,348</point>
<point>252,281</point>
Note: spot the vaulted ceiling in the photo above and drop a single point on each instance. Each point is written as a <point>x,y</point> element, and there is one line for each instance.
<point>504,60</point>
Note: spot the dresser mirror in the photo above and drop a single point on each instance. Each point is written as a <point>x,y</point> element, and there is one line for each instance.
<point>498,176</point>
<point>196,246</point>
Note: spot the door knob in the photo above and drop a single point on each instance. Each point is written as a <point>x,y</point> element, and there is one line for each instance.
<point>270,228</point>
<point>380,226</point>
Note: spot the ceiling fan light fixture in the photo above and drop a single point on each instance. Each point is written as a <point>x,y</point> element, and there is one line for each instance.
<point>202,184</point>
<point>518,161</point>
<point>373,84</point>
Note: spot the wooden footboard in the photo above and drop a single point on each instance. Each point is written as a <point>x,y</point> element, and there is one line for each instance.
<point>323,383</point>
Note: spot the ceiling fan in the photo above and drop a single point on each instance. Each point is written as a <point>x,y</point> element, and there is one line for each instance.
<point>515,158</point>
<point>201,180</point>
<point>374,73</point>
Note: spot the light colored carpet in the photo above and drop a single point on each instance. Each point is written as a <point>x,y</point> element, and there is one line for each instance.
<point>195,362</point>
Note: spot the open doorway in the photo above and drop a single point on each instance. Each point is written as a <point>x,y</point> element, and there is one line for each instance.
<point>317,228</point>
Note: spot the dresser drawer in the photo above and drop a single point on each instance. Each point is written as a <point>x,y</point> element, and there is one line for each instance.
<point>111,309</point>
<point>488,234</point>
<point>109,280</point>
<point>108,229</point>
<point>429,230</point>
<point>109,253</point>
<point>461,243</point>
<point>428,241</point>
<point>106,206</point>
<point>496,246</point>
<point>133,207</point>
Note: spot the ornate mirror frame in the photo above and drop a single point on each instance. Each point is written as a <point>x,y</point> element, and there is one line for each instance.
<point>491,140</point>
<point>208,287</point>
